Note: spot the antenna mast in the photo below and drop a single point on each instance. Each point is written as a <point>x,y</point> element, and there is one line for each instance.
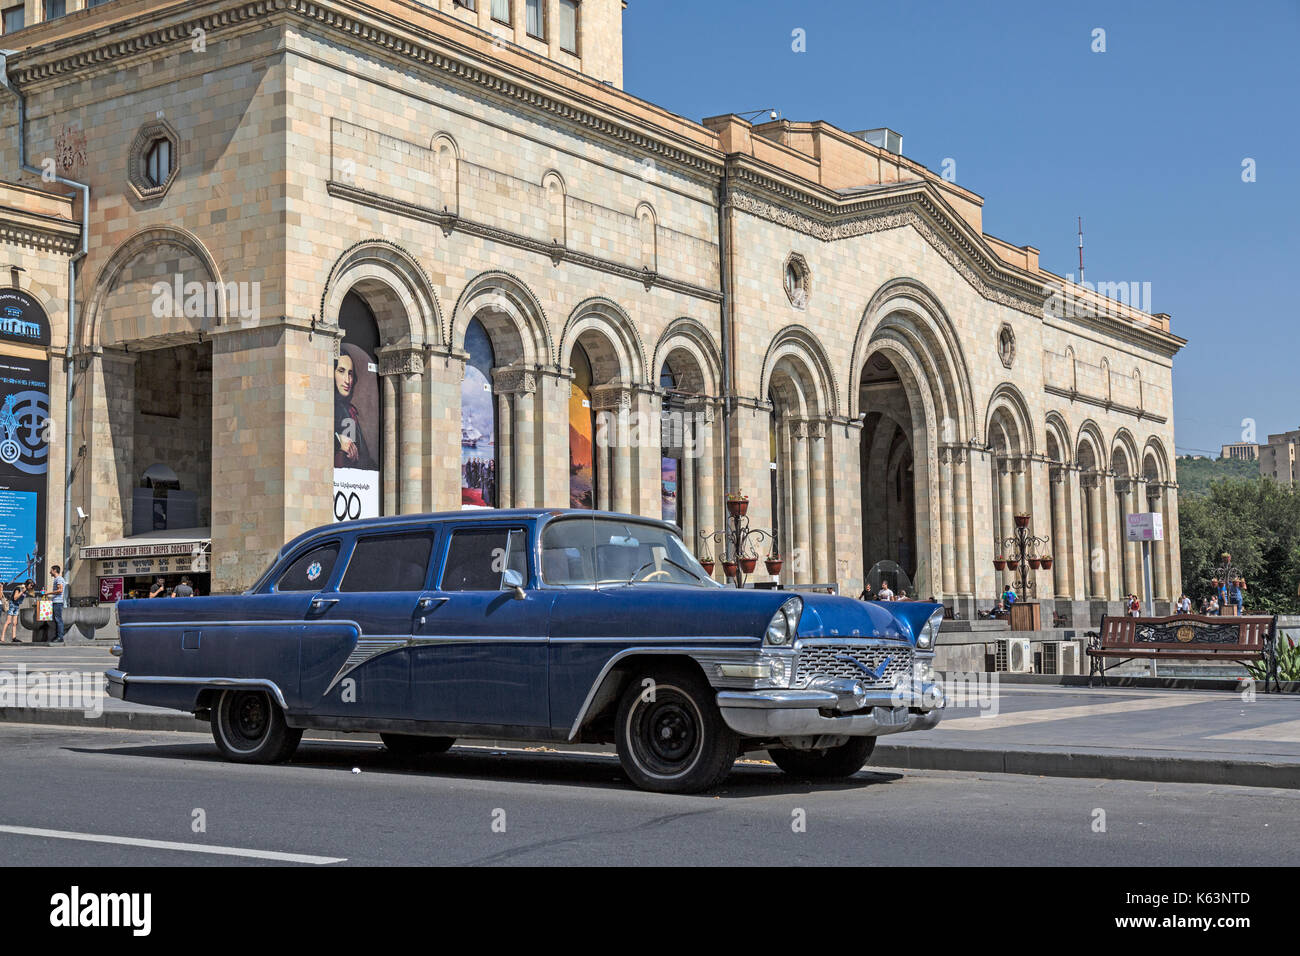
<point>1080,250</point>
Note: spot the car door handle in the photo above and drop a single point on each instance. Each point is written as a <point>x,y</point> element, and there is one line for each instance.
<point>320,604</point>
<point>425,603</point>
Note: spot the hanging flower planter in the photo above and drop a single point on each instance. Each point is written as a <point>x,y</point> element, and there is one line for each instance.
<point>737,505</point>
<point>708,567</point>
<point>1000,563</point>
<point>1013,563</point>
<point>748,564</point>
<point>729,568</point>
<point>1035,563</point>
<point>773,565</point>
<point>1022,521</point>
<point>1047,562</point>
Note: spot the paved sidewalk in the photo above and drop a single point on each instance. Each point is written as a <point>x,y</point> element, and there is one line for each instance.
<point>1186,736</point>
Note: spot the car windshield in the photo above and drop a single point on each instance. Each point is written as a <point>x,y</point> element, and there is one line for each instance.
<point>581,552</point>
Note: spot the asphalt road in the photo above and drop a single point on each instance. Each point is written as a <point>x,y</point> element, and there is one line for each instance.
<point>481,807</point>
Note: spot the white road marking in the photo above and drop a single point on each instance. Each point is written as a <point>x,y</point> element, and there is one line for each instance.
<point>169,845</point>
<point>1288,731</point>
<point>1022,717</point>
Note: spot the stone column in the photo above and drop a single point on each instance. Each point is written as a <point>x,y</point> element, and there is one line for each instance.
<point>686,484</point>
<point>521,386</point>
<point>390,476</point>
<point>947,578</point>
<point>1006,504</point>
<point>405,367</point>
<point>964,523</point>
<point>1077,538</point>
<point>1159,549</point>
<point>1092,483</point>
<point>799,486</point>
<point>411,454</point>
<point>822,567</point>
<point>844,508</point>
<point>505,452</point>
<point>1020,486</point>
<point>1131,581</point>
<point>1172,541</point>
<point>645,451</point>
<point>1059,548</point>
<point>706,498</point>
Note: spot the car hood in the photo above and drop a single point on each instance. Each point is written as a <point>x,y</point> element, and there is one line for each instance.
<point>825,615</point>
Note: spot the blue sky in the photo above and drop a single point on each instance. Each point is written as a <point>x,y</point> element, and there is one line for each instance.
<point>1145,141</point>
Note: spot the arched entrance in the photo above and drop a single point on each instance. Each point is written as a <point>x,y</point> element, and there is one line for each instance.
<point>888,487</point>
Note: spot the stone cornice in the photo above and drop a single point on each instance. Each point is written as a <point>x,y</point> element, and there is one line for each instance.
<point>912,208</point>
<point>1073,396</point>
<point>404,42</point>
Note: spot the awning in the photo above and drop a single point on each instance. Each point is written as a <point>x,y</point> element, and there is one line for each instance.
<point>155,544</point>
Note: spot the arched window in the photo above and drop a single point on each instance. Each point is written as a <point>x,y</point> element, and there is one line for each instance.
<point>582,434</point>
<point>478,422</point>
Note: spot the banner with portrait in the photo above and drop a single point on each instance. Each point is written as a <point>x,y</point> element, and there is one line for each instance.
<point>357,430</point>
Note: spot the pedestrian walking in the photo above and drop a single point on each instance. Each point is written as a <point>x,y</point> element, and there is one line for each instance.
<point>159,588</point>
<point>1237,597</point>
<point>13,603</point>
<point>866,594</point>
<point>57,592</point>
<point>184,589</point>
<point>1134,606</point>
<point>1184,605</point>
<point>885,594</point>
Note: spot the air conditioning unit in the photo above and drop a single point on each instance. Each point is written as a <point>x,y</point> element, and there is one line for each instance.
<point>1011,654</point>
<point>1060,657</point>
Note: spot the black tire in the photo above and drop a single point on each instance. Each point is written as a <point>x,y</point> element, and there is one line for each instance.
<point>831,763</point>
<point>675,742</point>
<point>249,727</point>
<point>411,745</point>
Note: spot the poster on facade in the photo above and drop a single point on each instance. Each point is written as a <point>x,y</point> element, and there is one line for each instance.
<point>112,589</point>
<point>357,432</point>
<point>669,481</point>
<point>24,438</point>
<point>582,434</point>
<point>478,457</point>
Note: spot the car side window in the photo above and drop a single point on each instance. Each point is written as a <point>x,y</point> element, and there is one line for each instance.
<point>391,562</point>
<point>478,559</point>
<point>311,571</point>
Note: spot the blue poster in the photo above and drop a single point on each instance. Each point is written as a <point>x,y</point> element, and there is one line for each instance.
<point>17,532</point>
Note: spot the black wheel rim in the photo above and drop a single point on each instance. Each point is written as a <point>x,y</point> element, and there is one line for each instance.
<point>665,733</point>
<point>248,719</point>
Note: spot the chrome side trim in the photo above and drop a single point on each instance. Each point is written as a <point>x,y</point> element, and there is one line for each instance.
<point>368,648</point>
<point>119,677</point>
<point>202,624</point>
<point>745,651</point>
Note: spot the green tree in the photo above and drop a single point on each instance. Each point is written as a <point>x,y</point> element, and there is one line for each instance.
<point>1196,474</point>
<point>1257,521</point>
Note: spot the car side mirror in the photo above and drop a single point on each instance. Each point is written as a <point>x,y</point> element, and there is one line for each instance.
<point>513,581</point>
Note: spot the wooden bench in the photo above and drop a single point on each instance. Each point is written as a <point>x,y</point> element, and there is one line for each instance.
<point>1185,637</point>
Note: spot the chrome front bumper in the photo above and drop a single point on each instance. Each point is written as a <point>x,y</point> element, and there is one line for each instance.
<point>801,713</point>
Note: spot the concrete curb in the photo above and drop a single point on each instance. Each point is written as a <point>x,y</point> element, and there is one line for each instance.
<point>1223,771</point>
<point>1167,683</point>
<point>1116,766</point>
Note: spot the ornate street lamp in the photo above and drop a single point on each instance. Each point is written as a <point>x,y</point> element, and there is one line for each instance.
<point>739,557</point>
<point>1020,553</point>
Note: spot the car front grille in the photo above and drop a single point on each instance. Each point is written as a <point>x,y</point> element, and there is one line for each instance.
<point>837,660</point>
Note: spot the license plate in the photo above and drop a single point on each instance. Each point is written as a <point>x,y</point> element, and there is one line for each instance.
<point>891,715</point>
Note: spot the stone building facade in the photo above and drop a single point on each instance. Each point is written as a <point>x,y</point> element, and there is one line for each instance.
<point>836,335</point>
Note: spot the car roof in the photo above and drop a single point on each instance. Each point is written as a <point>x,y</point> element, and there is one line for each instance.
<point>397,522</point>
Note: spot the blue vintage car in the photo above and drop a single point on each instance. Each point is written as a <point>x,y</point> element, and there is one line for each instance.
<point>534,625</point>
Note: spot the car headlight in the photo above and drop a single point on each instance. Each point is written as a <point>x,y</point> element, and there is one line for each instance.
<point>783,627</point>
<point>929,635</point>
